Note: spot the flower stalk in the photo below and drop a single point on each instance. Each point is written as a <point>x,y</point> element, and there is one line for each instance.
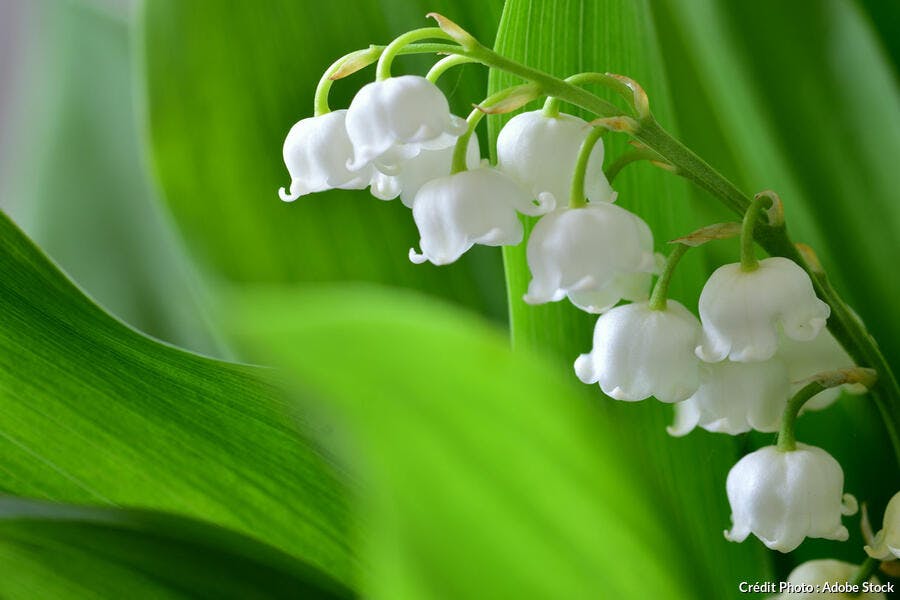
<point>577,195</point>
<point>660,294</point>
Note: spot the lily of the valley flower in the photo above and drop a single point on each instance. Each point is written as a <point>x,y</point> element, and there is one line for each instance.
<point>480,206</point>
<point>316,153</point>
<point>816,574</point>
<point>783,497</point>
<point>641,352</point>
<point>428,165</point>
<point>886,545</point>
<point>540,152</point>
<point>735,398</point>
<point>741,311</point>
<point>805,359</point>
<point>392,120</point>
<point>596,255</point>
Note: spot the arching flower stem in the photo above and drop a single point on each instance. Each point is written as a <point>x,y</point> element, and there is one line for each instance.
<point>517,94</point>
<point>383,70</point>
<point>866,570</point>
<point>660,293</point>
<point>751,218</point>
<point>445,64</point>
<point>577,196</point>
<point>787,442</point>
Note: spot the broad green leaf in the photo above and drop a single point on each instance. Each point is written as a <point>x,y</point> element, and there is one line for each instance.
<point>225,82</point>
<point>96,413</point>
<point>50,551</point>
<point>74,176</point>
<point>489,473</point>
<point>688,474</point>
<point>825,141</point>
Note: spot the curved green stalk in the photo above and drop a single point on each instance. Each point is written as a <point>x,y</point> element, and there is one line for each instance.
<point>383,70</point>
<point>751,218</point>
<point>660,295</point>
<point>576,194</point>
<point>445,64</point>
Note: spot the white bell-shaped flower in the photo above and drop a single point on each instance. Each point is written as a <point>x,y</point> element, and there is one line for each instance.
<point>480,206</point>
<point>783,497</point>
<point>641,352</point>
<point>886,545</point>
<point>735,398</point>
<point>805,359</point>
<point>431,164</point>
<point>540,152</point>
<point>808,582</point>
<point>392,120</point>
<point>742,311</point>
<point>316,152</point>
<point>596,255</point>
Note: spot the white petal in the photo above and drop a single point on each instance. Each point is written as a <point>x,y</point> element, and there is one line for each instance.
<point>886,545</point>
<point>541,152</point>
<point>741,311</point>
<point>431,164</point>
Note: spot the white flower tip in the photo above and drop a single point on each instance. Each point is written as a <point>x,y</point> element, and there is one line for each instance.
<point>840,534</point>
<point>546,202</point>
<point>584,369</point>
<point>709,355</point>
<point>738,537</point>
<point>356,163</point>
<point>849,505</point>
<point>287,197</point>
<point>458,125</point>
<point>415,257</point>
<point>613,197</point>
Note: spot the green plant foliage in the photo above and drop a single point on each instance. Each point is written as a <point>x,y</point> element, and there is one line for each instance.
<point>815,116</point>
<point>689,474</point>
<point>95,413</point>
<point>50,551</point>
<point>490,474</point>
<point>236,77</point>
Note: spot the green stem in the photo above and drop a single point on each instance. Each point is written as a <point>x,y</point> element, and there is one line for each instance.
<point>613,170</point>
<point>659,297</point>
<point>462,143</point>
<point>751,219</point>
<point>445,64</point>
<point>577,197</point>
<point>865,571</point>
<point>551,107</point>
<point>320,102</point>
<point>383,70</point>
<point>786,440</point>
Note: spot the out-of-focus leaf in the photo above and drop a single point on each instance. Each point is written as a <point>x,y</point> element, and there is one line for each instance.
<point>75,178</point>
<point>50,551</point>
<point>225,82</point>
<point>490,474</point>
<point>798,97</point>
<point>688,474</point>
<point>95,413</point>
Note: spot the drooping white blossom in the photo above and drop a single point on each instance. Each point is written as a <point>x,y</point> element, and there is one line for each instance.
<point>457,211</point>
<point>540,152</point>
<point>742,311</point>
<point>596,255</point>
<point>886,545</point>
<point>640,352</point>
<point>784,497</point>
<point>805,359</point>
<point>431,164</point>
<point>392,120</point>
<point>735,398</point>
<point>816,574</point>
<point>316,152</point>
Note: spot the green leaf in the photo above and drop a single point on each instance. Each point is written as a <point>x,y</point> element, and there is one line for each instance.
<point>688,474</point>
<point>799,98</point>
<point>489,474</point>
<point>96,413</point>
<point>225,82</point>
<point>63,551</point>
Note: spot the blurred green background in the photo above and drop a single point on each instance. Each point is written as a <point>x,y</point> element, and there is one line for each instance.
<point>402,450</point>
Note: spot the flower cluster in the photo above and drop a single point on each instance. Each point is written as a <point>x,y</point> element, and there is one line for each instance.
<point>752,360</point>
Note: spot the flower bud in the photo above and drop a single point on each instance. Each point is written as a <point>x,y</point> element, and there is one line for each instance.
<point>455,212</point>
<point>741,311</point>
<point>735,398</point>
<point>784,497</point>
<point>596,255</point>
<point>886,545</point>
<point>316,152</point>
<point>392,120</point>
<point>640,352</point>
<point>540,152</point>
